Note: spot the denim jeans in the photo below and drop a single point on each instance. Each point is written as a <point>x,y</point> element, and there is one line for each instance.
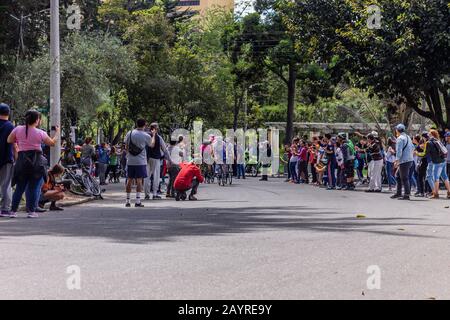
<point>413,176</point>
<point>390,174</point>
<point>436,172</point>
<point>429,176</point>
<point>241,171</point>
<point>444,174</point>
<point>32,189</point>
<point>332,166</point>
<point>403,178</point>
<point>293,170</point>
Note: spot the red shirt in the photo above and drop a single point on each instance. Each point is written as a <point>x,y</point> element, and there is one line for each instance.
<point>188,172</point>
<point>303,154</point>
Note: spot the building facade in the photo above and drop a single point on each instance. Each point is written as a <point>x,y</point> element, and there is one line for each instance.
<point>201,6</point>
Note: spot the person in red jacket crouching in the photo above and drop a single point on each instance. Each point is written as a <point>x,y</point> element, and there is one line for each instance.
<point>188,178</point>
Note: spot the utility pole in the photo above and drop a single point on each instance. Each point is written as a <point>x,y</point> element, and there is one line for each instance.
<point>55,79</point>
<point>245,109</point>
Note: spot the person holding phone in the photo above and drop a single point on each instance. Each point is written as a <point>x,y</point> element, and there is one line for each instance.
<point>30,167</point>
<point>51,191</point>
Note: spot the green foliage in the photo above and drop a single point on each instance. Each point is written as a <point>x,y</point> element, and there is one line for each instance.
<point>406,60</point>
<point>289,61</point>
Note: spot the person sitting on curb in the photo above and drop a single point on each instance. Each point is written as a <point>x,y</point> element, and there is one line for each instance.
<point>188,178</point>
<point>51,191</point>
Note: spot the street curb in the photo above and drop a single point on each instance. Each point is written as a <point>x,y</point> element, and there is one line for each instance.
<point>64,204</point>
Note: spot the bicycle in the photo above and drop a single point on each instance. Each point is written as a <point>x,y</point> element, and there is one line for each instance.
<point>83,183</point>
<point>253,169</point>
<point>224,174</point>
<point>208,174</point>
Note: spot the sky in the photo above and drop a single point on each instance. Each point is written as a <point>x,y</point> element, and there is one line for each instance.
<point>243,7</point>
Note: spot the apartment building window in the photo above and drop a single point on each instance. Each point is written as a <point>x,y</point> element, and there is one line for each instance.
<point>188,3</point>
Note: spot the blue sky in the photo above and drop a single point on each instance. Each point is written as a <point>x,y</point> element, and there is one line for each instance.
<point>243,7</point>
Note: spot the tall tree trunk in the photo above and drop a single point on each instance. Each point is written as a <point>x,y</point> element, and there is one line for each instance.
<point>446,97</point>
<point>292,81</point>
<point>111,132</point>
<point>118,136</point>
<point>435,101</point>
<point>398,112</point>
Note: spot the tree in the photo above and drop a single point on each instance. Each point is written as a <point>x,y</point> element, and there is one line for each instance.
<point>263,43</point>
<point>93,67</point>
<point>403,62</point>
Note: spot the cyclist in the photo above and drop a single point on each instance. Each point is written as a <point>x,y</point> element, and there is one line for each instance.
<point>219,154</point>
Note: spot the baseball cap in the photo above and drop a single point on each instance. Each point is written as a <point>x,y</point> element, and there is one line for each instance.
<point>447,134</point>
<point>400,127</point>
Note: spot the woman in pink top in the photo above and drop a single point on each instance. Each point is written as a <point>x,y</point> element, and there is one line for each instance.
<point>29,170</point>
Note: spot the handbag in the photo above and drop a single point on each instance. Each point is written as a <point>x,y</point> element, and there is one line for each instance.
<point>133,149</point>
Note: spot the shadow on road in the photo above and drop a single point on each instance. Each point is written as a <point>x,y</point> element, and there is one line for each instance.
<point>152,224</point>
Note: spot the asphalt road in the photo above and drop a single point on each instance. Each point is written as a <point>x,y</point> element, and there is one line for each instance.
<point>252,240</point>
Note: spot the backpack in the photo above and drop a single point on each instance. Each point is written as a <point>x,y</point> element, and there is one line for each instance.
<point>441,148</point>
<point>133,149</point>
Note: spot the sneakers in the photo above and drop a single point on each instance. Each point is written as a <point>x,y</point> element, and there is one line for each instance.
<point>5,214</point>
<point>181,196</point>
<point>56,208</point>
<point>127,205</point>
<point>33,215</point>
<point>138,205</point>
<point>192,198</point>
<point>396,196</point>
<point>157,197</point>
<point>404,198</point>
<point>147,197</point>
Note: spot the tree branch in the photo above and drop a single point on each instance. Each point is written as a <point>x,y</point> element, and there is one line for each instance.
<point>275,71</point>
<point>427,114</point>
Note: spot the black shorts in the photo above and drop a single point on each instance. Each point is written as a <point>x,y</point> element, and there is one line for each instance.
<point>349,169</point>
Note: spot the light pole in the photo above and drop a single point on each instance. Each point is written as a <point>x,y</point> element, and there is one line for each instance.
<point>55,79</point>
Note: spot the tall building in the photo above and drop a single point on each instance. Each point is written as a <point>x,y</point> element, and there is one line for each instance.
<point>201,6</point>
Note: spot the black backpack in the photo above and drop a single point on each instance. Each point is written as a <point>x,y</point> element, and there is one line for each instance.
<point>442,150</point>
<point>133,149</point>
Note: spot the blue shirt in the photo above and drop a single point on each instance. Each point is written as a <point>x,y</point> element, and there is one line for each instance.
<point>6,150</point>
<point>103,156</point>
<point>405,149</point>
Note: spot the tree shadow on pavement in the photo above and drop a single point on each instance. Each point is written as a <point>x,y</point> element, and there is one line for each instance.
<point>147,225</point>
